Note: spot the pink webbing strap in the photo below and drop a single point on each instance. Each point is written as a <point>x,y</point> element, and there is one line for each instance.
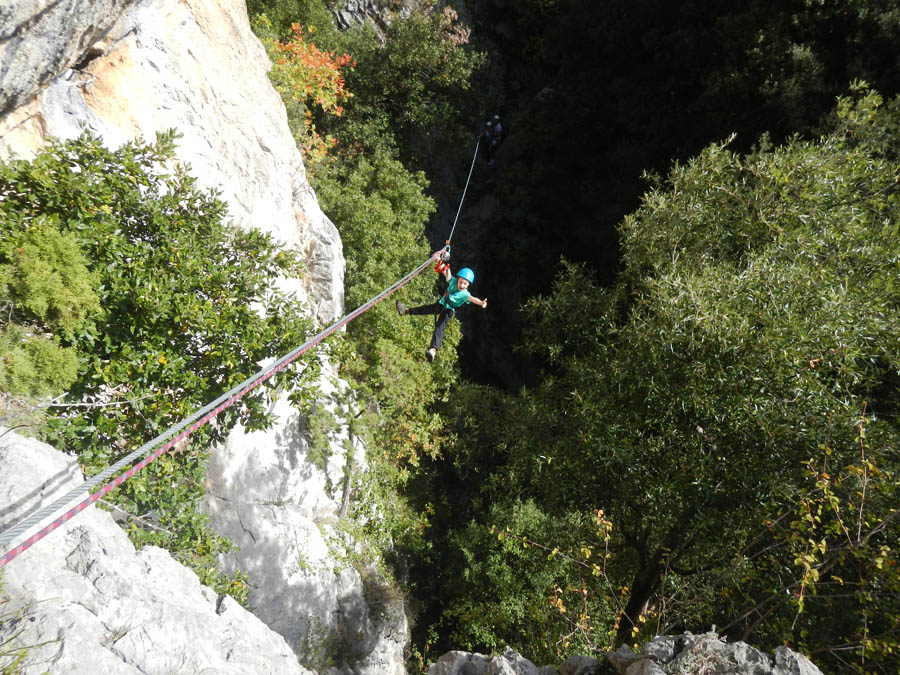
<point>186,427</point>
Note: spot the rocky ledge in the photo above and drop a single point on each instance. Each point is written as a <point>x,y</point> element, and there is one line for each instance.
<point>688,654</point>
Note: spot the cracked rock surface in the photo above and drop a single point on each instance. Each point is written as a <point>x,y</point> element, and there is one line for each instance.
<point>84,601</point>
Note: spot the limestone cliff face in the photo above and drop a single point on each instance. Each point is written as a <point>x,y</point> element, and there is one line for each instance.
<point>128,68</point>
<point>280,508</point>
<point>193,66</point>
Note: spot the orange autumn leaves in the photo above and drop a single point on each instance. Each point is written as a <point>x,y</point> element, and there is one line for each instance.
<point>307,76</point>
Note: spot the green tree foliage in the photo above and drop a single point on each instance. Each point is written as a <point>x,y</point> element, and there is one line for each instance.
<point>411,84</point>
<point>188,311</point>
<point>421,74</point>
<point>44,276</point>
<point>282,14</point>
<point>34,366</point>
<point>839,545</point>
<point>546,604</point>
<point>45,287</point>
<point>753,323</point>
<point>382,208</point>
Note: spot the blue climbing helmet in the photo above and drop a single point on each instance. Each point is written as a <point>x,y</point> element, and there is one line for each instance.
<point>467,274</point>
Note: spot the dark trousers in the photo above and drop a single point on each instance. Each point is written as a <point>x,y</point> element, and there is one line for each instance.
<point>440,324</point>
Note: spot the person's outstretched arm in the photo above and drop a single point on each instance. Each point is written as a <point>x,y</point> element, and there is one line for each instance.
<point>478,301</point>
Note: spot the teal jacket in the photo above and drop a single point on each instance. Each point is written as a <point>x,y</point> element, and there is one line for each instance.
<point>454,298</point>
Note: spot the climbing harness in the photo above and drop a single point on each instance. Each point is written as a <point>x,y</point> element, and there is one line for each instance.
<point>72,503</point>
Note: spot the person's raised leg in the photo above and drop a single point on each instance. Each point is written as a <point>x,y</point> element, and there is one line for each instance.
<point>440,327</point>
<point>434,308</point>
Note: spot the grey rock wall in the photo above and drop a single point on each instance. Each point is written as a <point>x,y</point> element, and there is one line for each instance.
<point>266,494</point>
<point>40,39</point>
<point>83,601</point>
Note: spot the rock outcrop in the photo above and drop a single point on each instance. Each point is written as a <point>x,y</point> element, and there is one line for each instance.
<point>377,12</point>
<point>687,654</point>
<point>707,653</point>
<point>509,662</point>
<point>83,601</point>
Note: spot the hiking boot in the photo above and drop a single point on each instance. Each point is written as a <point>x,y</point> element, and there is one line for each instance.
<point>430,354</point>
<point>401,308</point>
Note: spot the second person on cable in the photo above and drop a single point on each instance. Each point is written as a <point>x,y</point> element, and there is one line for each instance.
<point>456,295</point>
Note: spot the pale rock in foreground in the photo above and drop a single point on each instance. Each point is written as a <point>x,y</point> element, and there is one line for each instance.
<point>87,602</point>
<point>266,494</point>
<point>509,662</point>
<point>687,654</point>
<point>706,654</point>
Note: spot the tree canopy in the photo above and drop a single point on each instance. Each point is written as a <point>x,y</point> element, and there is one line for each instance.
<point>595,94</point>
<point>743,366</point>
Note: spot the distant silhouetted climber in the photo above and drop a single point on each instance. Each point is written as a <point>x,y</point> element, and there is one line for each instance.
<point>456,295</point>
<point>498,131</point>
<point>488,142</point>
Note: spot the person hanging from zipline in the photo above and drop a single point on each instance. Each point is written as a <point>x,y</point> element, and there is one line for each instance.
<point>456,295</point>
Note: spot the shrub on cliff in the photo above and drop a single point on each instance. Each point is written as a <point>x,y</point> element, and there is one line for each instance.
<point>45,288</point>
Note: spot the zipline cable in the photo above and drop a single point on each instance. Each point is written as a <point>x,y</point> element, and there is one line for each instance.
<point>474,157</point>
<point>64,504</point>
